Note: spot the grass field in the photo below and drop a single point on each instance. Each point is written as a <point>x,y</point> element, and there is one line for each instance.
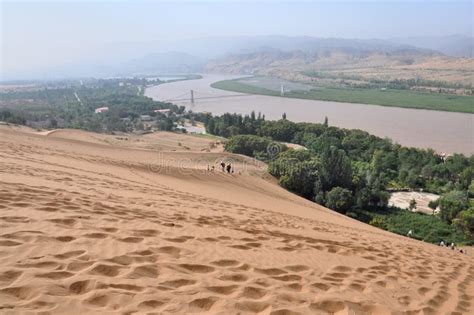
<point>395,98</point>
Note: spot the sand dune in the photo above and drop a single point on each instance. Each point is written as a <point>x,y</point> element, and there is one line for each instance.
<point>90,225</point>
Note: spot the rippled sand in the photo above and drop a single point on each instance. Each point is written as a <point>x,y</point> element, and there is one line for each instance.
<point>89,224</point>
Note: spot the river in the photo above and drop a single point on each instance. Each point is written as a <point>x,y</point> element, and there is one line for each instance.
<point>443,131</point>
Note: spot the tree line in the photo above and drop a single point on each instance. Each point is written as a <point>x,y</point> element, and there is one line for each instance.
<point>73,106</point>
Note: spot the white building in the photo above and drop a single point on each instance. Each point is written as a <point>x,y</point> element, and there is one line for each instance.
<point>162,111</point>
<point>146,118</point>
<point>101,110</point>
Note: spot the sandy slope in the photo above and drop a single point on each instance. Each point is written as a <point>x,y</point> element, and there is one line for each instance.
<point>94,227</point>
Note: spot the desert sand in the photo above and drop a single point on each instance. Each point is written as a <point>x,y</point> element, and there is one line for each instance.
<point>95,224</point>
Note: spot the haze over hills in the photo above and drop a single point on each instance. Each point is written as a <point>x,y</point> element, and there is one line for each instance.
<point>192,55</point>
<point>454,45</point>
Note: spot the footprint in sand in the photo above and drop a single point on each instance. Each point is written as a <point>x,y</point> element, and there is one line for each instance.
<point>105,270</point>
<point>20,292</point>
<point>145,233</point>
<point>224,289</point>
<point>9,243</point>
<point>297,268</point>
<point>357,287</point>
<point>65,239</point>
<point>81,287</point>
<point>131,239</point>
<point>329,306</point>
<point>197,268</point>
<point>55,275</point>
<point>287,278</point>
<point>9,276</point>
<point>253,293</point>
<point>284,311</point>
<point>96,235</point>
<point>150,305</point>
<point>178,283</point>
<point>70,254</point>
<point>145,271</point>
<point>203,304</point>
<point>225,263</point>
<point>79,265</point>
<point>235,277</point>
<point>321,286</point>
<point>251,306</point>
<point>271,271</point>
<point>42,264</point>
<point>98,301</point>
<point>180,239</point>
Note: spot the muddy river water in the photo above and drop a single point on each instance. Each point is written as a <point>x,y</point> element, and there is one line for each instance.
<point>443,131</point>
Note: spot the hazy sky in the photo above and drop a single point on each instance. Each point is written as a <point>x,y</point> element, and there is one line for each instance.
<point>39,34</point>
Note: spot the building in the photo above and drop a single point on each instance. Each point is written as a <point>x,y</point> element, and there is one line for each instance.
<point>146,118</point>
<point>163,111</point>
<point>101,110</point>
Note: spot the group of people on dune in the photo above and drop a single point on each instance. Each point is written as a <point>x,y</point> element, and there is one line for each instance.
<point>229,168</point>
<point>443,244</point>
<point>452,246</point>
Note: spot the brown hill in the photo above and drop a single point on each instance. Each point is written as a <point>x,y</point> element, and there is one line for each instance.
<point>348,64</point>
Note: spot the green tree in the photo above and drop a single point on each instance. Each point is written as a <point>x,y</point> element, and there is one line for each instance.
<point>471,189</point>
<point>339,199</point>
<point>281,130</point>
<point>452,203</point>
<point>299,178</point>
<point>335,169</point>
<point>248,145</point>
<point>466,221</point>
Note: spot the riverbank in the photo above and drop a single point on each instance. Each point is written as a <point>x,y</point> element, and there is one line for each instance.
<point>445,132</point>
<point>392,98</point>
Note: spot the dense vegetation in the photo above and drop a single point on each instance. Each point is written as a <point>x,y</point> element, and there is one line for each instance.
<point>369,95</point>
<point>352,171</point>
<point>69,105</point>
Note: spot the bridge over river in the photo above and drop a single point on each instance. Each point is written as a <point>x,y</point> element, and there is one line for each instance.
<point>443,131</point>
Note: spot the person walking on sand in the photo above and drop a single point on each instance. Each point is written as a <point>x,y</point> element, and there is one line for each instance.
<point>223,166</point>
<point>410,233</point>
<point>228,168</point>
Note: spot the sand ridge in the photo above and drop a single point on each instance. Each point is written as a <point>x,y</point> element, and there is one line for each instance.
<point>96,228</point>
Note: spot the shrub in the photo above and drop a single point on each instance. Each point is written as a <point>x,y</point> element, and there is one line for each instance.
<point>379,222</point>
<point>452,203</point>
<point>339,199</point>
<point>248,145</point>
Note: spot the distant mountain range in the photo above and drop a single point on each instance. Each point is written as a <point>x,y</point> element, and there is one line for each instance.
<point>360,62</point>
<point>196,55</point>
<point>454,45</point>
